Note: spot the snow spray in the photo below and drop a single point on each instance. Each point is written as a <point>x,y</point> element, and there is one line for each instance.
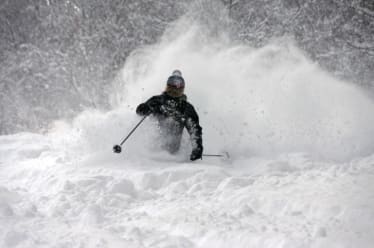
<point>251,101</point>
<point>255,101</point>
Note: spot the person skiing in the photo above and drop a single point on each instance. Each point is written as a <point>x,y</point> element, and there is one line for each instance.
<point>174,113</point>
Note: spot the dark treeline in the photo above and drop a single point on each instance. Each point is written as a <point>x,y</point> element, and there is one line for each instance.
<point>339,34</point>
<point>58,57</point>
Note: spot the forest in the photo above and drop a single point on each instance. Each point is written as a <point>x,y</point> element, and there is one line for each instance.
<point>59,57</point>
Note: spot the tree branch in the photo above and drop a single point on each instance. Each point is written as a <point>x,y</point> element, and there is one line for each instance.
<point>369,50</point>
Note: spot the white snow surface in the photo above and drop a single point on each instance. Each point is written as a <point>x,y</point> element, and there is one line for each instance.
<point>50,200</point>
<point>301,170</point>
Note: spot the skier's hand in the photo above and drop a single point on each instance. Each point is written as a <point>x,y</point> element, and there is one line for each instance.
<point>143,109</point>
<point>196,154</point>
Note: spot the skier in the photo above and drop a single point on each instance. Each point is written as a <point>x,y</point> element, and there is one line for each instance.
<point>174,113</point>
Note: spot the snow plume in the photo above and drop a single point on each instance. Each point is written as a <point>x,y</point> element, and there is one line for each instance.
<point>252,101</point>
<point>262,101</point>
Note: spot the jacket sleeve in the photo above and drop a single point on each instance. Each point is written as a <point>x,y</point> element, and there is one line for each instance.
<point>151,106</point>
<point>194,128</point>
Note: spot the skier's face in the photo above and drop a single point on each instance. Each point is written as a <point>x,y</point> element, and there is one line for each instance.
<point>174,92</point>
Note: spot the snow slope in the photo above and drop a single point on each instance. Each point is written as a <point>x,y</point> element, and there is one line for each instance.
<point>50,200</point>
<point>301,171</point>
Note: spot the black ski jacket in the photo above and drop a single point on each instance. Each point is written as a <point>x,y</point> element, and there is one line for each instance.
<point>173,114</point>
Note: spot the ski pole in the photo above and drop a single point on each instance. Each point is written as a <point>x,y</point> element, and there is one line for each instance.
<point>118,148</point>
<point>213,155</point>
<point>225,155</point>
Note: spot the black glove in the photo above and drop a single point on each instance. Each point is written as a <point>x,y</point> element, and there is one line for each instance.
<point>143,109</point>
<point>197,153</point>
